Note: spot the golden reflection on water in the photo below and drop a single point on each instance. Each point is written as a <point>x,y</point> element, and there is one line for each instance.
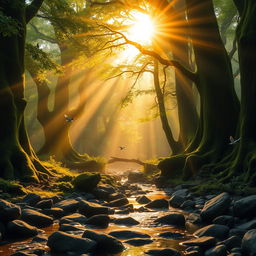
<point>146,225</point>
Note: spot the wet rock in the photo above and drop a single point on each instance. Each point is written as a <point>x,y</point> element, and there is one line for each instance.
<point>188,205</point>
<point>249,243</point>
<point>115,196</point>
<point>181,192</point>
<point>226,220</point>
<point>219,250</point>
<point>218,231</point>
<point>100,221</point>
<point>248,225</point>
<point>118,202</point>
<point>89,209</point>
<point>127,221</point>
<point>172,235</point>
<point>138,242</point>
<point>103,192</point>
<point>104,243</point>
<point>69,227</point>
<point>31,199</point>
<point>56,213</point>
<point>136,176</point>
<point>143,200</point>
<point>9,211</point>
<point>23,254</point>
<point>36,219</point>
<point>232,242</point>
<point>216,206</point>
<point>176,201</point>
<point>173,219</point>
<point>86,182</point>
<point>127,234</point>
<point>125,211</point>
<point>20,229</point>
<point>237,232</point>
<point>68,205</point>
<point>202,242</point>
<point>194,218</point>
<point>75,217</point>
<point>245,207</point>
<point>39,239</point>
<point>193,251</point>
<point>63,243</point>
<point>163,252</point>
<point>158,203</point>
<point>44,204</point>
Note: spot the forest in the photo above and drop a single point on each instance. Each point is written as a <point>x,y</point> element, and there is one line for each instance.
<point>127,127</point>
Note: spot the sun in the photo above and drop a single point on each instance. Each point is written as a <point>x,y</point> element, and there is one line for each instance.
<point>142,29</point>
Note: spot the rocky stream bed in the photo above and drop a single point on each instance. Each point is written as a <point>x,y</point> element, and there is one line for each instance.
<point>134,219</point>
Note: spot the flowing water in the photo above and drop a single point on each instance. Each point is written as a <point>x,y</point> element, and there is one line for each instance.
<point>146,225</point>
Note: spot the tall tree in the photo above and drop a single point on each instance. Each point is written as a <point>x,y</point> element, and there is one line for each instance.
<point>18,159</point>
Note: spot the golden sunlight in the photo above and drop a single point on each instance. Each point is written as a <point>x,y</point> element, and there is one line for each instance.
<point>142,29</point>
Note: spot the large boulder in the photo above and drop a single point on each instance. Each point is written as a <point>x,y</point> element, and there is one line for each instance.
<point>118,202</point>
<point>218,231</point>
<point>36,219</point>
<point>216,207</point>
<point>20,229</point>
<point>9,211</point>
<point>86,182</point>
<point>176,201</point>
<point>62,242</point>
<point>127,221</point>
<point>249,243</point>
<point>158,203</point>
<point>104,243</point>
<point>173,219</point>
<point>89,209</point>
<point>245,207</point>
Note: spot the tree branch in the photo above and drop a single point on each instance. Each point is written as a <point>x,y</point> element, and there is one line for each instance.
<point>191,75</point>
<point>32,9</point>
<point>43,36</point>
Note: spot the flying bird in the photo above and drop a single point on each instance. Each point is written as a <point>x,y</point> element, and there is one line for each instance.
<point>232,140</point>
<point>69,119</point>
<point>121,147</point>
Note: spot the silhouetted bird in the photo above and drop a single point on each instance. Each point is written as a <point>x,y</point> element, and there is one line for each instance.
<point>69,119</point>
<point>232,140</point>
<point>121,147</point>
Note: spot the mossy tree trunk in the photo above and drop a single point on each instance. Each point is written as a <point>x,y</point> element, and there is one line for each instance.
<point>243,157</point>
<point>218,101</point>
<point>18,159</point>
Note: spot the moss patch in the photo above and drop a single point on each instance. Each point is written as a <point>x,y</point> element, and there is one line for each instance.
<point>11,188</point>
<point>86,182</point>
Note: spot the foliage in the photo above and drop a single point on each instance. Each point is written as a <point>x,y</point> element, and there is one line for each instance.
<point>11,187</point>
<point>8,25</point>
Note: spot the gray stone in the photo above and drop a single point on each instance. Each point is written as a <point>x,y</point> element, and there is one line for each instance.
<point>20,229</point>
<point>36,219</point>
<point>138,241</point>
<point>226,220</point>
<point>31,199</point>
<point>247,225</point>
<point>9,211</point>
<point>181,192</point>
<point>232,242</point>
<point>118,202</point>
<point>143,200</point>
<point>202,242</point>
<point>216,206</point>
<point>104,243</point>
<point>127,234</point>
<point>218,231</point>
<point>249,243</point>
<point>68,205</point>
<point>89,209</point>
<point>245,207</point>
<point>100,221</point>
<point>127,221</point>
<point>158,203</point>
<point>176,201</point>
<point>56,213</point>
<point>44,204</point>
<point>75,217</point>
<point>173,219</point>
<point>163,252</point>
<point>63,243</point>
<point>219,250</point>
<point>69,227</point>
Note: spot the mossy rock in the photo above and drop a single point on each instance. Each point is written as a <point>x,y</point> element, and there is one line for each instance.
<point>12,188</point>
<point>86,182</point>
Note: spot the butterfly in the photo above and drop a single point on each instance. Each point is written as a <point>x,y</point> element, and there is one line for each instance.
<point>232,140</point>
<point>69,119</point>
<point>121,147</point>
